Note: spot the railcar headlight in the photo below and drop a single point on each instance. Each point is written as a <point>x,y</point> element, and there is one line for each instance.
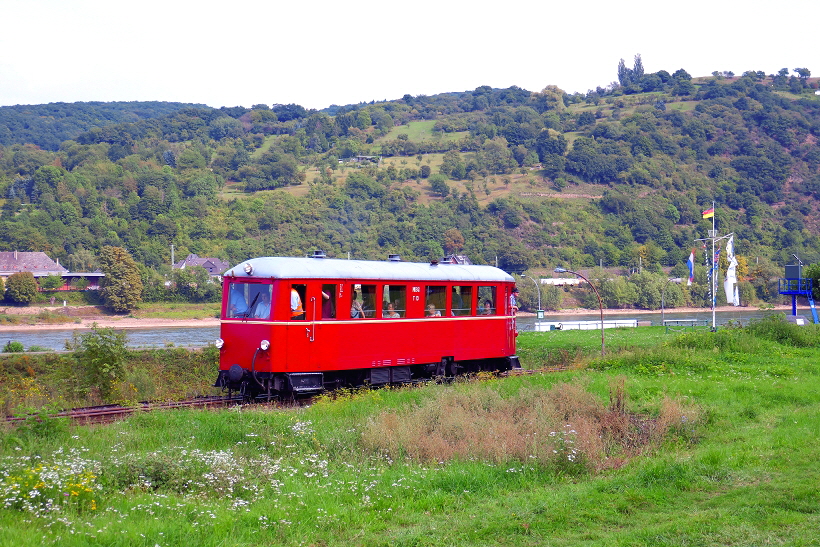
<point>249,269</point>
<point>219,342</point>
<point>264,345</point>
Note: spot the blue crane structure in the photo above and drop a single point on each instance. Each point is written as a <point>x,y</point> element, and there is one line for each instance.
<point>796,285</point>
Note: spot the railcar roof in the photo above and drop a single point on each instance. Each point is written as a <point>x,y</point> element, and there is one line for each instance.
<point>330,268</point>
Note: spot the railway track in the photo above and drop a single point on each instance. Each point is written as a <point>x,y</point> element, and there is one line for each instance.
<point>110,413</point>
<point>104,414</point>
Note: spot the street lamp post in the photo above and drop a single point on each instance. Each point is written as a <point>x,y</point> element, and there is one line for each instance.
<point>540,313</point>
<point>663,302</point>
<point>600,304</point>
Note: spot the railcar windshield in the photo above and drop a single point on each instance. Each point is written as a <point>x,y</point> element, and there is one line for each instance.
<point>248,301</point>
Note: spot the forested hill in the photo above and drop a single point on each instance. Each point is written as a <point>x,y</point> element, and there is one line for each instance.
<point>48,125</point>
<point>615,177</point>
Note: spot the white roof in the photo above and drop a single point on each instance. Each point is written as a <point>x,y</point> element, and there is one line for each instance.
<point>330,268</point>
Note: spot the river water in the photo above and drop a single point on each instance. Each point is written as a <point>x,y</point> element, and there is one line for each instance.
<point>202,336</point>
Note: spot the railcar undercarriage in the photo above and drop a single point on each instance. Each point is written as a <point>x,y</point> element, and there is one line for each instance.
<point>267,386</point>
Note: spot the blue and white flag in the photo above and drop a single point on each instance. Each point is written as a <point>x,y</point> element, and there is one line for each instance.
<point>691,264</point>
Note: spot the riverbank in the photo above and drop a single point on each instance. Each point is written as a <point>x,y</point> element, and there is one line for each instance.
<point>610,312</point>
<point>87,317</point>
<point>123,323</point>
<point>44,318</point>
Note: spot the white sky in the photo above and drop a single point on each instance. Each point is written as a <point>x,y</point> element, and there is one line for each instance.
<point>246,52</point>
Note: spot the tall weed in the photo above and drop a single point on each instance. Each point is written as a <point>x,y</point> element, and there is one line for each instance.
<point>565,428</point>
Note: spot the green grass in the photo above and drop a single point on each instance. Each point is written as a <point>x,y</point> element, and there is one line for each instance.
<point>419,131</point>
<point>737,467</point>
<point>415,131</point>
<point>269,140</point>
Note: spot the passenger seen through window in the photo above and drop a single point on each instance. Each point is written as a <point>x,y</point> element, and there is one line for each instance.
<point>435,297</point>
<point>395,297</point>
<point>297,297</point>
<point>487,300</point>
<point>389,311</point>
<point>328,301</point>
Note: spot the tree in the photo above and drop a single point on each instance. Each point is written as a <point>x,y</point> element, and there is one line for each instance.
<point>624,74</point>
<point>438,184</point>
<point>496,156</point>
<point>453,241</point>
<point>551,298</point>
<point>363,119</point>
<point>190,158</point>
<point>51,282</point>
<point>803,73</point>
<point>121,288</point>
<point>637,70</point>
<point>586,118</point>
<point>681,74</point>
<point>813,272</point>
<point>21,288</point>
<point>550,142</point>
<point>194,284</point>
<point>617,293</point>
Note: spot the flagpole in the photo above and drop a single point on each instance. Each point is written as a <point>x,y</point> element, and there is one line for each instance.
<point>714,285</point>
<point>713,237</point>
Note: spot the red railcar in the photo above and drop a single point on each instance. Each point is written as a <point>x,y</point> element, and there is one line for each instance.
<point>293,325</point>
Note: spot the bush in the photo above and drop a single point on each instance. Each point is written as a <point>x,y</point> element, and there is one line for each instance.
<point>13,346</point>
<point>51,282</point>
<point>38,349</point>
<point>777,329</point>
<point>100,356</point>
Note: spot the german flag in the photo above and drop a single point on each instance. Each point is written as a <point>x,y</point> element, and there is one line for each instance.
<point>709,213</point>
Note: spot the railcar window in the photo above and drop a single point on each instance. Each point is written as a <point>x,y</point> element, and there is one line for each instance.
<point>435,301</point>
<point>364,301</point>
<point>249,301</point>
<point>297,301</point>
<point>394,301</point>
<point>328,301</point>
<point>259,306</point>
<point>462,301</point>
<point>356,311</point>
<point>486,301</point>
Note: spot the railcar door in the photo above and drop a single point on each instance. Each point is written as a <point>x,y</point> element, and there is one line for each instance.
<point>301,327</point>
<point>326,333</point>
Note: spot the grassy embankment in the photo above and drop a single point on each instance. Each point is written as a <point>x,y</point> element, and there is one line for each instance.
<point>699,439</point>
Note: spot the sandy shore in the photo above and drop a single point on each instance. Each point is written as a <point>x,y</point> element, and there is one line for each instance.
<point>124,323</point>
<point>86,317</point>
<point>85,322</point>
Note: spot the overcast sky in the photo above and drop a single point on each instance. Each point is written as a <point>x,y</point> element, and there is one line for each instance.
<point>246,52</point>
